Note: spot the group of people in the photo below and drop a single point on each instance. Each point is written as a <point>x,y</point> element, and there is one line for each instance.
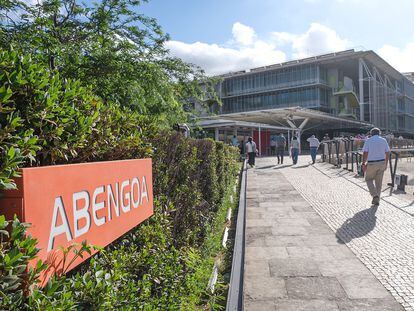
<point>376,153</point>
<point>278,148</point>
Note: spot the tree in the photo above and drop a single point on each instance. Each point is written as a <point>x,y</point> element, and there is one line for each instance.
<point>110,46</point>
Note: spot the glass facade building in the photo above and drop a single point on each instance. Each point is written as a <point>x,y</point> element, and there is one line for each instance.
<point>349,84</point>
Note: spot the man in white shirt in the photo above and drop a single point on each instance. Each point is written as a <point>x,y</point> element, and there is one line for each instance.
<point>313,145</point>
<point>374,163</point>
<point>251,151</point>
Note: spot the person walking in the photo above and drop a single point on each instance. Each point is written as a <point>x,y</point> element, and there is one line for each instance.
<point>313,145</point>
<point>325,151</point>
<point>273,146</point>
<point>251,151</point>
<point>234,141</point>
<point>374,163</point>
<point>280,148</point>
<point>294,149</point>
<point>242,148</point>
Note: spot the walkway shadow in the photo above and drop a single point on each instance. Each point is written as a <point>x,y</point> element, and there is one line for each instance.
<point>358,226</point>
<point>301,166</point>
<point>278,167</point>
<point>265,167</point>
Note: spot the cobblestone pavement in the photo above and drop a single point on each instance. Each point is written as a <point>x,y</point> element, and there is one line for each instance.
<point>403,201</point>
<point>293,259</point>
<point>382,238</point>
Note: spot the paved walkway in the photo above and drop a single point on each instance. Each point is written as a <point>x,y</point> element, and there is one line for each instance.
<point>313,242</point>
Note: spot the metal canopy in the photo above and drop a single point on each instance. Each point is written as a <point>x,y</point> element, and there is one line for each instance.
<point>296,118</point>
<point>219,123</point>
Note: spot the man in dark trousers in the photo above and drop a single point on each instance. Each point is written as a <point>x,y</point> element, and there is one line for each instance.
<point>374,163</point>
<point>251,151</point>
<point>280,148</point>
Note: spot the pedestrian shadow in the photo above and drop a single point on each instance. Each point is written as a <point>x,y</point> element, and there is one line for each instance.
<point>278,167</point>
<point>265,167</point>
<point>301,166</point>
<point>358,226</point>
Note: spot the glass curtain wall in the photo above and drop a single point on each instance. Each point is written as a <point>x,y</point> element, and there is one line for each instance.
<point>270,80</point>
<point>305,97</point>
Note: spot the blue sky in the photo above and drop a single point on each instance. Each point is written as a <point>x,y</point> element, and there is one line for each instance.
<point>229,35</point>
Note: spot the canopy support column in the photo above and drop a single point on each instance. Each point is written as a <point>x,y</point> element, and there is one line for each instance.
<point>288,144</point>
<point>260,141</point>
<point>361,90</point>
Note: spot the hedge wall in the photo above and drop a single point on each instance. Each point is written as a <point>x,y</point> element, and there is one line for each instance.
<point>46,120</point>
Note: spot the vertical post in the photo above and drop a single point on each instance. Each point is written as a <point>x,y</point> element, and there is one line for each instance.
<point>288,144</point>
<point>352,155</point>
<point>225,136</point>
<point>299,133</point>
<point>216,134</point>
<point>260,141</point>
<point>387,110</point>
<point>361,90</point>
<point>397,124</point>
<point>374,103</point>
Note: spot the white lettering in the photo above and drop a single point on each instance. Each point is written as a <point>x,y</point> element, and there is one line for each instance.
<point>135,181</point>
<point>63,228</point>
<point>81,213</point>
<point>125,196</point>
<point>111,198</point>
<point>96,206</point>
<point>144,190</point>
<point>130,194</point>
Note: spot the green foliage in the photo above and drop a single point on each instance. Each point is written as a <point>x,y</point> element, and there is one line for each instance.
<point>17,143</point>
<point>45,119</point>
<point>110,46</point>
<point>163,264</point>
<point>187,178</point>
<point>60,114</point>
<point>16,250</point>
<point>93,82</point>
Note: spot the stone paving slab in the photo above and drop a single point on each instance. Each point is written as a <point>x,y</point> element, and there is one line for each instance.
<point>293,260</point>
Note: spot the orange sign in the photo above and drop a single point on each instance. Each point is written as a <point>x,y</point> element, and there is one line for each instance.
<point>66,204</point>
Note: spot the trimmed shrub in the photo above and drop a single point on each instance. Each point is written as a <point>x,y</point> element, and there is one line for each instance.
<point>159,264</point>
<point>45,120</point>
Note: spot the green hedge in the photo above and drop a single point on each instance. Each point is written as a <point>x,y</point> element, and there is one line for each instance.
<point>160,265</point>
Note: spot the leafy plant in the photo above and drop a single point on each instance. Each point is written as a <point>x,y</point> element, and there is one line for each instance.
<point>16,277</point>
<point>111,46</point>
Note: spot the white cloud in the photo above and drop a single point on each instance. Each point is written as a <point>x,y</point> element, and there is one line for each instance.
<point>243,51</point>
<point>400,58</point>
<point>243,34</point>
<point>316,40</point>
<point>246,50</point>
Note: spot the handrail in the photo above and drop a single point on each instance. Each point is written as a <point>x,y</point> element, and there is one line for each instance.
<point>235,294</point>
<point>351,153</point>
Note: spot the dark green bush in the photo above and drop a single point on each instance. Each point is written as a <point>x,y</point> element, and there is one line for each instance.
<point>45,119</point>
<point>160,265</point>
<point>192,177</point>
<point>163,264</point>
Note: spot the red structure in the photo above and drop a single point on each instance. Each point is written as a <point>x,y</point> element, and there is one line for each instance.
<point>68,204</point>
<point>264,141</point>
